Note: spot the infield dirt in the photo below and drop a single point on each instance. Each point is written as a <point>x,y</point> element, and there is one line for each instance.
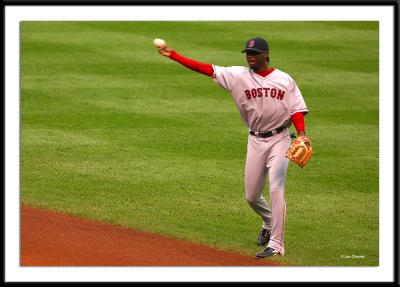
<point>53,239</point>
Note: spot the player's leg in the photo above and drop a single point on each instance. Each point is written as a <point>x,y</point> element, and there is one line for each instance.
<point>255,173</point>
<point>277,166</point>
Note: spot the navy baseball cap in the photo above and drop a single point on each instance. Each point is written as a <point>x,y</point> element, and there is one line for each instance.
<point>257,44</point>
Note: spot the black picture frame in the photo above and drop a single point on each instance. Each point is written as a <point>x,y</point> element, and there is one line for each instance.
<point>394,4</point>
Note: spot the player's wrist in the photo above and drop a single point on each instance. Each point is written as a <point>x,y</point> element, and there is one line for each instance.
<point>301,133</point>
<point>172,54</point>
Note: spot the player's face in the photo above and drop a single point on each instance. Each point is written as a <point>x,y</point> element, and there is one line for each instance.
<point>256,60</point>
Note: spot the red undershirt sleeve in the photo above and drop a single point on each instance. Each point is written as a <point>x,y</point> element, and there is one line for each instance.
<point>298,121</point>
<point>206,69</point>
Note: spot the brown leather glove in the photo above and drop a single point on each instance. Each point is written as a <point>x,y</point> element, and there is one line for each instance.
<point>300,151</point>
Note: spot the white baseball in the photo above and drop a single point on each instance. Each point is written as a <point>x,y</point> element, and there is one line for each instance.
<point>159,43</point>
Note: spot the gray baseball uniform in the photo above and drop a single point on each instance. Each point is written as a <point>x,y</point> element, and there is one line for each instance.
<point>265,104</point>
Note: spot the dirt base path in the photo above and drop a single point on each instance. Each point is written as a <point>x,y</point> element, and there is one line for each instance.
<point>54,239</point>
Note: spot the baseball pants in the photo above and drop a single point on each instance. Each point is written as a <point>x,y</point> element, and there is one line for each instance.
<point>266,159</point>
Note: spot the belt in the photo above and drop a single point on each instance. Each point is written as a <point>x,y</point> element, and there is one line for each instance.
<point>267,134</point>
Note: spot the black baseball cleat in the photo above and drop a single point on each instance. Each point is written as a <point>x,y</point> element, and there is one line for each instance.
<point>263,237</point>
<point>267,252</point>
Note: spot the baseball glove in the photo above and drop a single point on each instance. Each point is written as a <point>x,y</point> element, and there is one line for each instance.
<point>300,151</point>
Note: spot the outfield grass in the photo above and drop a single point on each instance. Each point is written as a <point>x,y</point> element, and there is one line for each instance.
<point>112,131</point>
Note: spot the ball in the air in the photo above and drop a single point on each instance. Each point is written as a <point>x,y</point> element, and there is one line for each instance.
<point>159,43</point>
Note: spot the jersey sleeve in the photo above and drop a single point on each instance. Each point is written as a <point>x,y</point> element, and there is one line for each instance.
<point>225,76</point>
<point>194,65</point>
<point>297,103</point>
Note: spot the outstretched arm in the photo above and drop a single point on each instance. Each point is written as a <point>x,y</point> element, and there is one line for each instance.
<point>205,69</point>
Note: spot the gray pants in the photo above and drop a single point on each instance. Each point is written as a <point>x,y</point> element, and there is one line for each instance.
<point>266,159</point>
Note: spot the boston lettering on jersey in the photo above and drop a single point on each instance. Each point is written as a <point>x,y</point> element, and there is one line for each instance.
<point>265,92</point>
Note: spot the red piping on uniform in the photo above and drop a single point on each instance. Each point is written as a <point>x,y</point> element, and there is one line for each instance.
<point>202,68</point>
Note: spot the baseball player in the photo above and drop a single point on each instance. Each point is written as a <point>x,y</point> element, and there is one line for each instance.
<point>269,101</point>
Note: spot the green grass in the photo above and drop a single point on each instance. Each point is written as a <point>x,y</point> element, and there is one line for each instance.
<point>114,132</point>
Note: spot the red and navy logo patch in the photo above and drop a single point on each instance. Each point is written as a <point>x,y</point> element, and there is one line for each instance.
<point>251,44</point>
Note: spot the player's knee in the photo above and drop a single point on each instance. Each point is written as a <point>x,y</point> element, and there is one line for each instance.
<point>251,199</point>
<point>278,186</point>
